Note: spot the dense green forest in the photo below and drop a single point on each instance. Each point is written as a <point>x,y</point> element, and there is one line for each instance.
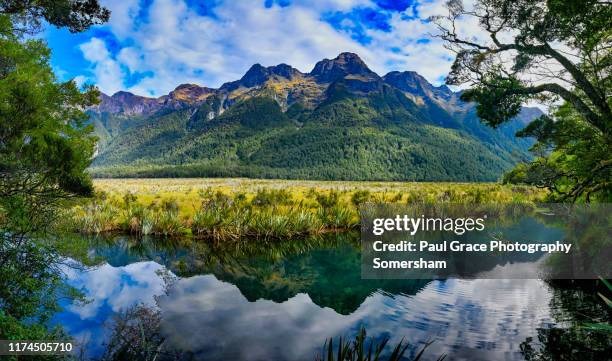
<point>380,134</point>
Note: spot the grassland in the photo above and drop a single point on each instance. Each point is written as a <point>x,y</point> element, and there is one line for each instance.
<point>232,208</point>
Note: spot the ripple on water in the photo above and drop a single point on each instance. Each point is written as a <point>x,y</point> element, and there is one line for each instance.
<point>478,319</point>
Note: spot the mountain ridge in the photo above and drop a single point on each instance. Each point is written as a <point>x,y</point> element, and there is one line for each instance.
<point>326,71</point>
<point>276,121</point>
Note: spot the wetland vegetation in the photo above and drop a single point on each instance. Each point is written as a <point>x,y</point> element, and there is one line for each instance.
<point>224,209</point>
<point>81,259</point>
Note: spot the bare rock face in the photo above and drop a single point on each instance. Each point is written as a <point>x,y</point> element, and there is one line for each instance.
<point>285,84</point>
<point>342,66</point>
<point>126,103</point>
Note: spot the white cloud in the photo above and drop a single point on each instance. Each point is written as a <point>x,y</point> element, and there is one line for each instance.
<point>108,72</point>
<point>80,80</point>
<point>123,14</point>
<point>172,44</point>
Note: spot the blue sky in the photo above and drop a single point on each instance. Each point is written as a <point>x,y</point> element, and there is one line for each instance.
<point>151,46</point>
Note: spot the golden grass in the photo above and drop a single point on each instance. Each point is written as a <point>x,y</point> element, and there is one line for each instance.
<point>186,192</point>
<point>281,209</point>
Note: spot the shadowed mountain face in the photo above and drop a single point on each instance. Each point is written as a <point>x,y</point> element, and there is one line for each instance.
<point>340,121</point>
<point>345,65</point>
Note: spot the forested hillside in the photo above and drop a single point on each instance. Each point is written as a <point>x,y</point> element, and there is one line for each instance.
<point>341,121</point>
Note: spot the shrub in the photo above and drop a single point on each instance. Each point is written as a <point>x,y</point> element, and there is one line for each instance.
<point>272,197</point>
<point>360,197</point>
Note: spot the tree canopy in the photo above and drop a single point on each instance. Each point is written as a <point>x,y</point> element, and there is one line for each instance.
<point>45,148</point>
<point>548,51</point>
<point>76,15</point>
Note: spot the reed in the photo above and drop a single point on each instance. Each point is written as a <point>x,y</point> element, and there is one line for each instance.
<point>362,349</point>
<point>229,209</point>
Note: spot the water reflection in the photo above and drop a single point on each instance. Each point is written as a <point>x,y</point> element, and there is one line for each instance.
<point>242,304</point>
<point>471,320</point>
<point>108,290</point>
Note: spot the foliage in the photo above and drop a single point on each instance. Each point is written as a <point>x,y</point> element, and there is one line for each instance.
<point>135,335</point>
<point>585,317</point>
<point>579,165</point>
<point>221,210</point>
<point>31,282</point>
<point>543,51</point>
<point>79,15</point>
<point>360,350</point>
<point>382,136</point>
<point>45,147</point>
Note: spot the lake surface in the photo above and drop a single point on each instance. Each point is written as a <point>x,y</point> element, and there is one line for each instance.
<point>282,301</point>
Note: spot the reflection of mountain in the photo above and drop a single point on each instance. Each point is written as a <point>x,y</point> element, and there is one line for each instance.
<point>474,320</point>
<point>328,269</point>
<point>330,275</point>
<point>281,301</point>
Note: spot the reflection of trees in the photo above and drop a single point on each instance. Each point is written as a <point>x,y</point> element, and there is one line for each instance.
<point>135,333</point>
<point>327,268</point>
<point>573,343</point>
<point>588,229</point>
<point>574,304</point>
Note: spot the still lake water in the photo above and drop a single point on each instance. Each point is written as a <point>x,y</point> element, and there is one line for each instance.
<point>282,302</point>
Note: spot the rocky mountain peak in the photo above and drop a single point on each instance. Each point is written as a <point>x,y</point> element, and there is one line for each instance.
<point>190,93</point>
<point>124,95</point>
<point>256,75</point>
<point>284,70</point>
<point>347,72</point>
<point>125,103</point>
<point>414,83</point>
<point>343,65</point>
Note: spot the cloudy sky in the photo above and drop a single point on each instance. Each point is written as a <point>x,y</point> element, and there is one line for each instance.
<point>150,46</point>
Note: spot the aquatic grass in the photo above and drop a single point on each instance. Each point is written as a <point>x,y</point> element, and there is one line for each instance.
<point>361,350</point>
<point>272,197</point>
<point>327,200</point>
<point>338,217</point>
<point>234,208</point>
<point>219,223</point>
<point>168,223</point>
<point>305,222</point>
<point>138,220</point>
<point>95,218</point>
<point>361,196</point>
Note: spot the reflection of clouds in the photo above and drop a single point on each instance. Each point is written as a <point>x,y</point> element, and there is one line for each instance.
<point>517,270</point>
<point>214,319</point>
<point>469,319</point>
<point>117,287</point>
<point>109,290</point>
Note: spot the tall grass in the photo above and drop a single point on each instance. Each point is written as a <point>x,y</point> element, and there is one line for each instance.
<point>360,349</point>
<point>96,217</point>
<point>281,209</point>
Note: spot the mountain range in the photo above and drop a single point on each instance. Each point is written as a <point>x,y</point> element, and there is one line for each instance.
<point>341,121</point>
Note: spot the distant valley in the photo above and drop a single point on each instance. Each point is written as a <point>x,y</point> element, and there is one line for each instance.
<point>341,121</point>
